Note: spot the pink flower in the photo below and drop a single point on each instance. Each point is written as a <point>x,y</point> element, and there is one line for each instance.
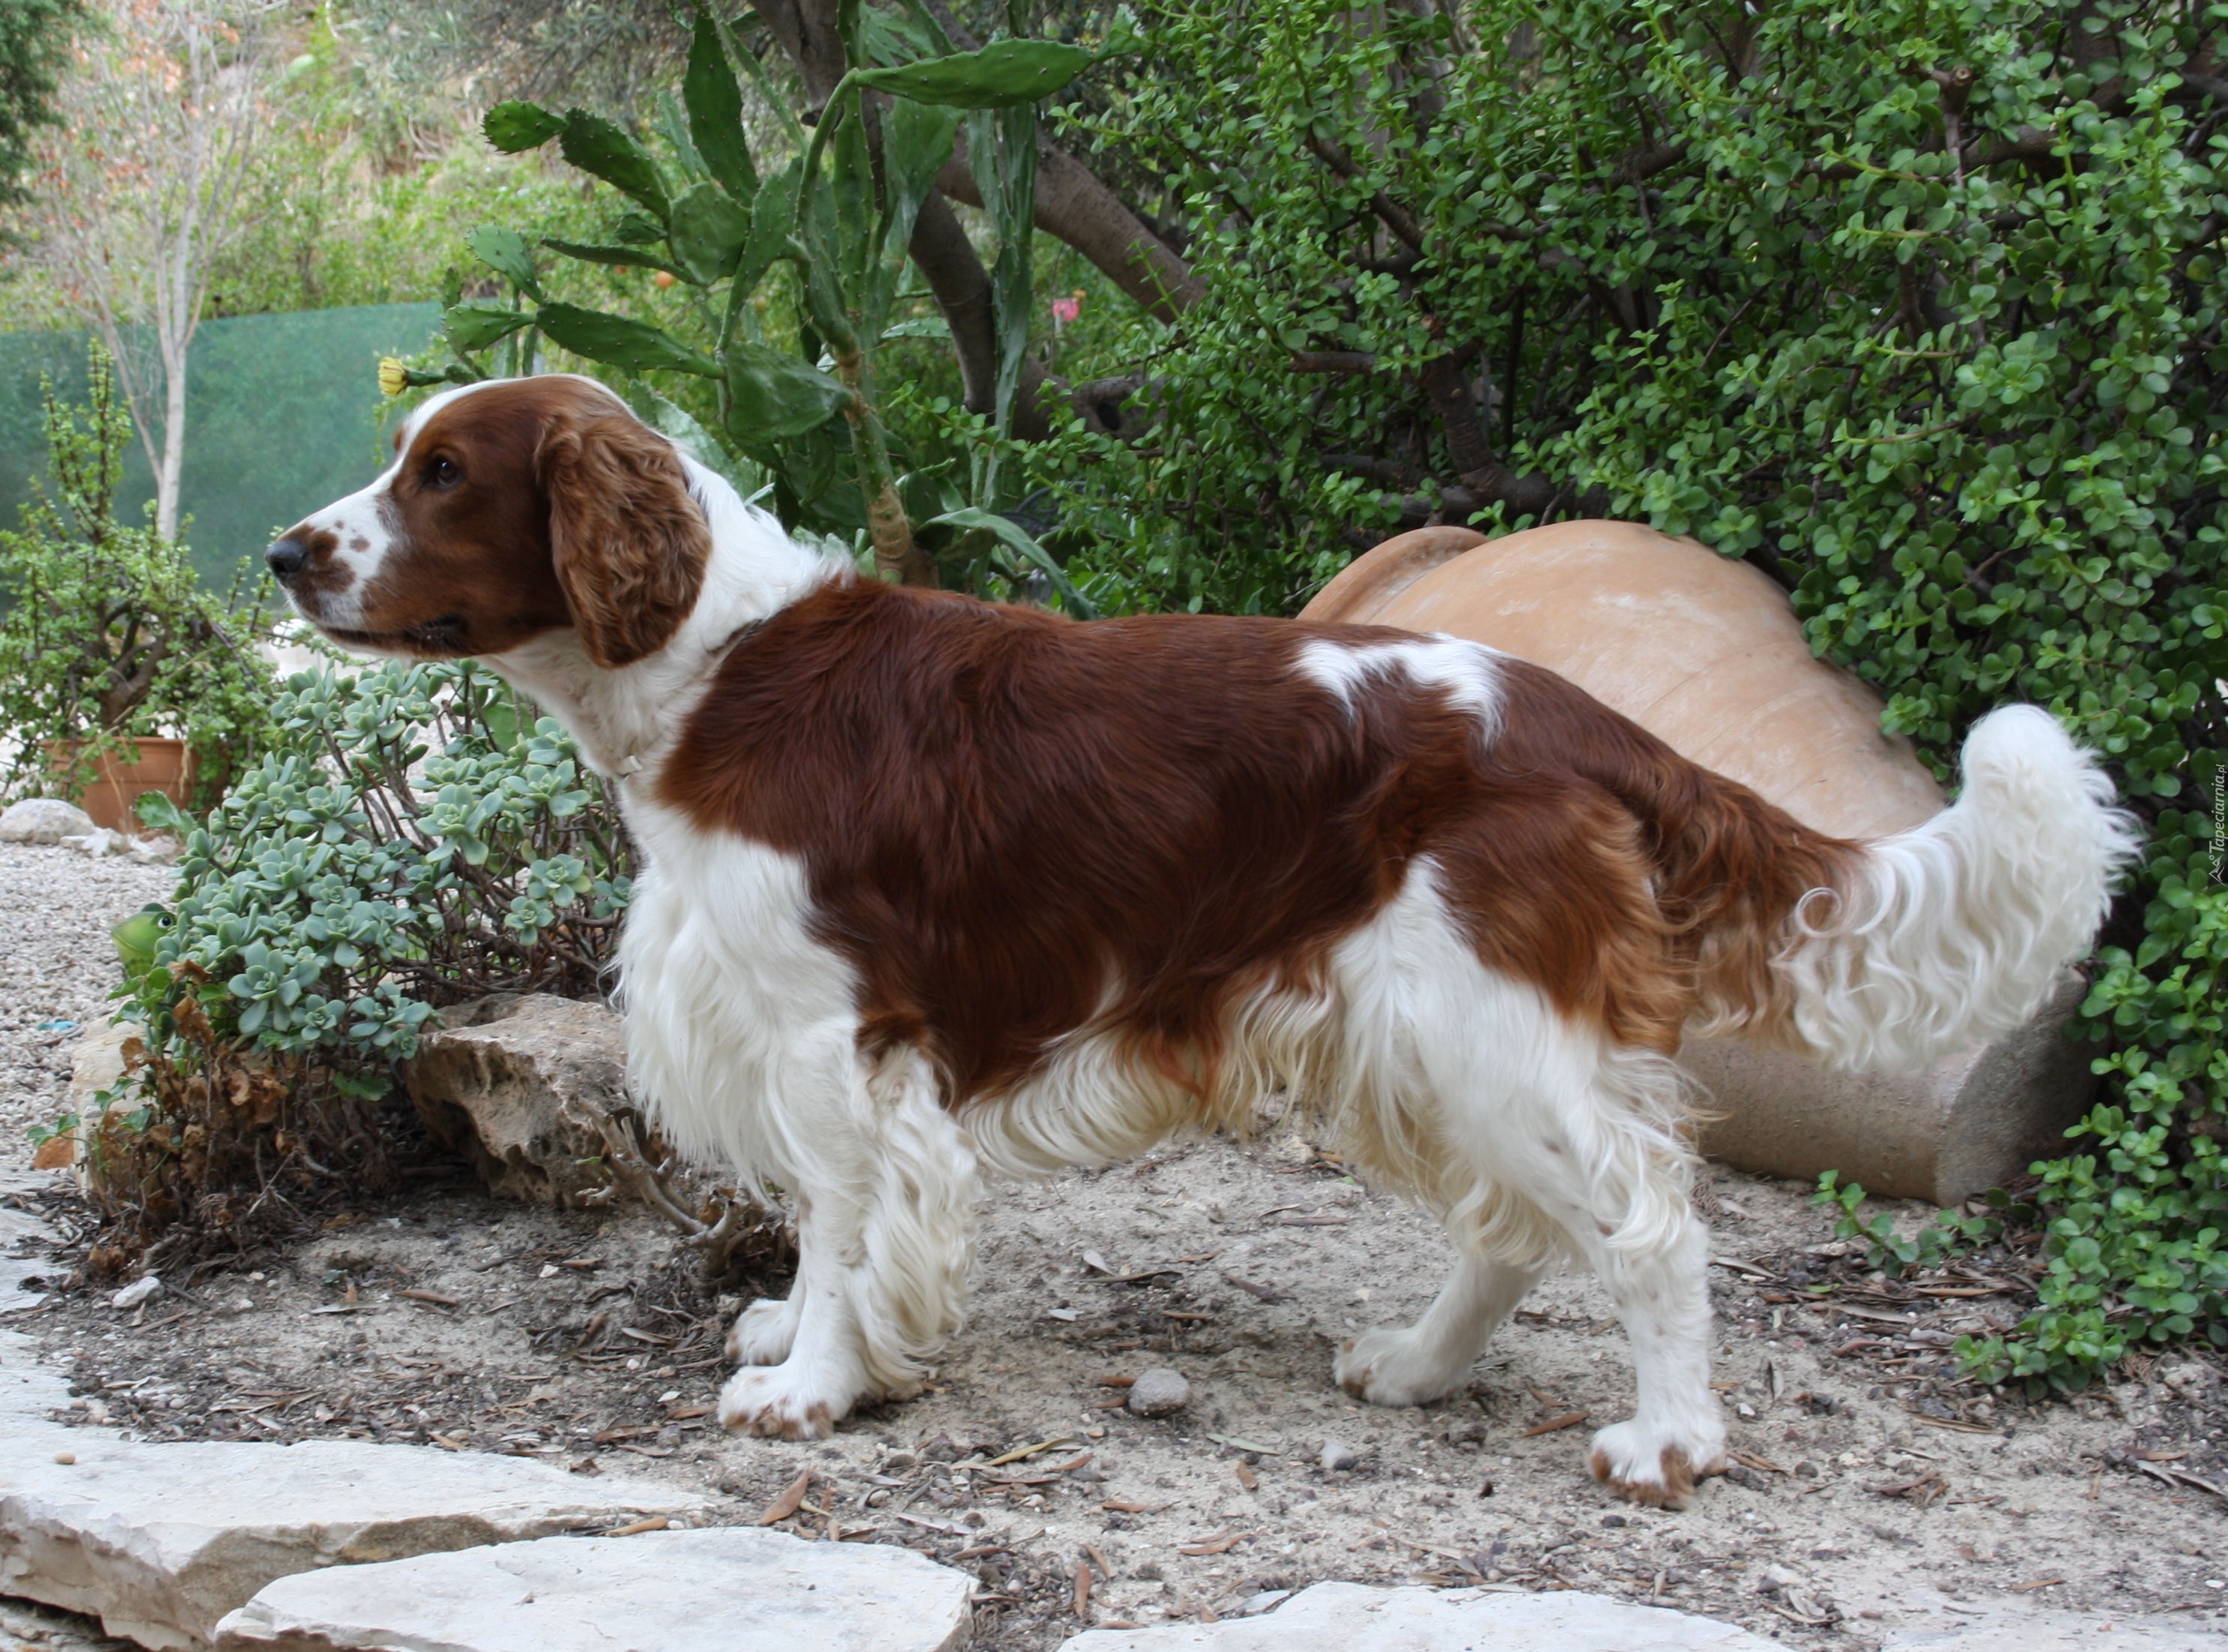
<point>1065,310</point>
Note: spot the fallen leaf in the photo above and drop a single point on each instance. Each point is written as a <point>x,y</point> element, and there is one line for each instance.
<point>1221,1545</point>
<point>1118,1382</point>
<point>1750,1460</point>
<point>1237,1444</point>
<point>1083,1590</point>
<point>1266,1293</point>
<point>1246,1477</point>
<point>1569,1419</point>
<point>1120,1506</point>
<point>657,1523</point>
<point>2040,1582</point>
<point>433,1297</point>
<point>786,1505</point>
<point>1018,1452</point>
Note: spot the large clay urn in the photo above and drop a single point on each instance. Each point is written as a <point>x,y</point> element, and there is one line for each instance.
<point>1706,653</point>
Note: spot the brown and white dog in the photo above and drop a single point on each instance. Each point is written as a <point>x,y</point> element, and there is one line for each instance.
<point>936,888</point>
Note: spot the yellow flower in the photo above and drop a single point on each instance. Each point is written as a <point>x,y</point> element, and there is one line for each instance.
<point>393,377</point>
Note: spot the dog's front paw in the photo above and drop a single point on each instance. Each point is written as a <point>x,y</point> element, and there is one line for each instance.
<point>764,1332</point>
<point>1642,1466</point>
<point>1387,1366</point>
<point>781,1402</point>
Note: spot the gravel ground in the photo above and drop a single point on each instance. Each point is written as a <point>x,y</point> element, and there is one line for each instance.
<point>1875,1489</point>
<point>57,967</point>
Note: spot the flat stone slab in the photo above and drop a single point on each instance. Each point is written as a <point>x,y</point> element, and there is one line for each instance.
<point>2010,1629</point>
<point>1354,1617</point>
<point>733,1589</point>
<point>27,1391</point>
<point>21,1277</point>
<point>159,1542</point>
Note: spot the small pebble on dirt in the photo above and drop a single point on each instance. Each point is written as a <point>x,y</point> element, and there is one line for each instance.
<point>1159,1393</point>
<point>1337,1454</point>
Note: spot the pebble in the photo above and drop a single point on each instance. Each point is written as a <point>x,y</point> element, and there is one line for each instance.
<point>139,1291</point>
<point>1337,1454</point>
<point>1159,1393</point>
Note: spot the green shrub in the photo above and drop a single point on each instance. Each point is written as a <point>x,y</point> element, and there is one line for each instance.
<point>1918,307</point>
<point>414,841</point>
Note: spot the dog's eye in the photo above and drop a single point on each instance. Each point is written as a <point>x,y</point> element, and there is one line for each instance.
<point>443,473</point>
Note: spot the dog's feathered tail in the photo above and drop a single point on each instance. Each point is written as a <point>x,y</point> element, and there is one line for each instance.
<point>1893,953</point>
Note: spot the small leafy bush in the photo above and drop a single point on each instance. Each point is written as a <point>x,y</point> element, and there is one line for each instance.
<point>415,839</point>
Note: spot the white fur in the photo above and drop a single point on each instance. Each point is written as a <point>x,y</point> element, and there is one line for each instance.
<point>1466,672</point>
<point>1959,929</point>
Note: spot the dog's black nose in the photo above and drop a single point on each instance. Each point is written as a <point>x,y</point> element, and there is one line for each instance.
<point>286,557</point>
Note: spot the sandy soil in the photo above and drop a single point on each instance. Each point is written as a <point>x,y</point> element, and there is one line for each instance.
<point>1875,1490</point>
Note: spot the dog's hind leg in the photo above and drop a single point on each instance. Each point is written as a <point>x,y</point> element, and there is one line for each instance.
<point>1621,1184</point>
<point>886,1216</point>
<point>1413,1365</point>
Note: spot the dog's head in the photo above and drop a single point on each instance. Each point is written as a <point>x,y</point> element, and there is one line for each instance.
<point>512,508</point>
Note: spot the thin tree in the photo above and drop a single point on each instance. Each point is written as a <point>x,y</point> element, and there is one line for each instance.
<point>144,189</point>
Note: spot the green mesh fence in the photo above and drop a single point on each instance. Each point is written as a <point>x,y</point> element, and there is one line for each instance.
<point>283,414</point>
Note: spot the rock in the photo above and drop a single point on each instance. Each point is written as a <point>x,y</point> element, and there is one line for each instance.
<point>159,849</point>
<point>514,1083</point>
<point>159,1542</point>
<point>1159,1393</point>
<point>2013,1629</point>
<point>43,820</point>
<point>101,843</point>
<point>1337,1454</point>
<point>1706,653</point>
<point>139,1291</point>
<point>1349,1616</point>
<point>733,1589</point>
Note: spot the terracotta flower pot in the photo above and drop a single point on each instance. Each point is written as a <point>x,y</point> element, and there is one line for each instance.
<point>1706,653</point>
<point>164,765</point>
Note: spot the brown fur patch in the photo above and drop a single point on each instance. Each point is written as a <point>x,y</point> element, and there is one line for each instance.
<point>1017,827</point>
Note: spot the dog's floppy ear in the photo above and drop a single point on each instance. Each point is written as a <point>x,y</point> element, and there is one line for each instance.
<point>629,543</point>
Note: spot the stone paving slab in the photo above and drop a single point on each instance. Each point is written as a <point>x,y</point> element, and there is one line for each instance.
<point>1355,1617</point>
<point>20,1275</point>
<point>159,1541</point>
<point>2010,1629</point>
<point>726,1589</point>
<point>28,1391</point>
